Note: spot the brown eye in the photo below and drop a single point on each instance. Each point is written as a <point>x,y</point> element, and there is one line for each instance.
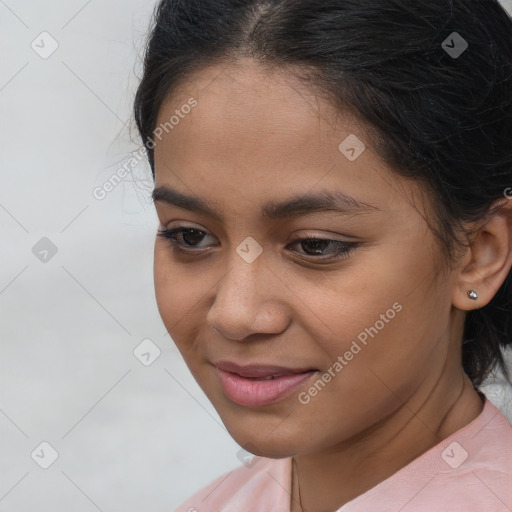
<point>315,247</point>
<point>184,239</point>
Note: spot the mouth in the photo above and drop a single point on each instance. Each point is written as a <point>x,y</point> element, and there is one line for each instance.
<point>260,385</point>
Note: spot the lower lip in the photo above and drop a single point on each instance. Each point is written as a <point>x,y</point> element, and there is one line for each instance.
<point>257,393</point>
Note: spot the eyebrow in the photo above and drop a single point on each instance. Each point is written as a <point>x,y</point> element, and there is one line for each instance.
<point>295,206</point>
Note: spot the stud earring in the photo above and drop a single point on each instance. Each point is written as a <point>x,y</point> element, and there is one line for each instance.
<point>472,295</point>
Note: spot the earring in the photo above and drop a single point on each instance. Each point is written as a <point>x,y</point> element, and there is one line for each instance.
<point>472,295</point>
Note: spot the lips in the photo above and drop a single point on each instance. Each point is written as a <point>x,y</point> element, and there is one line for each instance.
<point>259,385</point>
<point>259,371</point>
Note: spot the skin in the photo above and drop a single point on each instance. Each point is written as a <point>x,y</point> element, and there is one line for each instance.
<point>257,136</point>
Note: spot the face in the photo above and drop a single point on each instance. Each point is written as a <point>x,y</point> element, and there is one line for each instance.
<point>302,322</point>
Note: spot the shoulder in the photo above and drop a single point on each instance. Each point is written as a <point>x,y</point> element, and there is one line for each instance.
<point>489,441</point>
<point>475,465</point>
<point>485,474</point>
<point>470,471</point>
<point>260,485</point>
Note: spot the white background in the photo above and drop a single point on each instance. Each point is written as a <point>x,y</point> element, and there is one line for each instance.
<point>129,437</point>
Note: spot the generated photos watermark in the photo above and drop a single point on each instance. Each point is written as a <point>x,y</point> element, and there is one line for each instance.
<point>101,192</point>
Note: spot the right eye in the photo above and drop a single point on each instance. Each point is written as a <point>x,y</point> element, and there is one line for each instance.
<point>183,239</point>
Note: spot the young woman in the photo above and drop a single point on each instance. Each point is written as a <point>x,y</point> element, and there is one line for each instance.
<point>333,182</point>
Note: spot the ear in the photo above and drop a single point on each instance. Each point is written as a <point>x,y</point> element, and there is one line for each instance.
<point>486,263</point>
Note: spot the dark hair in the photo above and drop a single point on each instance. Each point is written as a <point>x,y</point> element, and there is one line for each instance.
<point>435,116</point>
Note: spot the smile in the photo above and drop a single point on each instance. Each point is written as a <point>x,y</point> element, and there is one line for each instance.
<point>259,385</point>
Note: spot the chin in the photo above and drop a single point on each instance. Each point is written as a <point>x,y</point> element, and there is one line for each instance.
<point>268,449</point>
<point>255,439</point>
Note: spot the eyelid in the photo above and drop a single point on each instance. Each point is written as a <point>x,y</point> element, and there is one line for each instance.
<point>329,236</point>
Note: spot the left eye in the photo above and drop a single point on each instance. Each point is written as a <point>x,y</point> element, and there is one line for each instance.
<point>313,247</point>
<point>318,245</point>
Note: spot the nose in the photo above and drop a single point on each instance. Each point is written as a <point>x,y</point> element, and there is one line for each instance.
<point>247,301</point>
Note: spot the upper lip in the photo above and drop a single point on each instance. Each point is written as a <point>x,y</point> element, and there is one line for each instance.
<point>259,370</point>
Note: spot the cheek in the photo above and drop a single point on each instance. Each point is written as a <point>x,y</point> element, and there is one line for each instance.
<point>387,351</point>
<point>165,285</point>
<point>378,313</point>
<point>176,294</point>
<point>336,307</point>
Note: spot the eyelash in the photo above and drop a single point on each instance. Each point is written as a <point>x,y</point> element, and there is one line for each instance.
<point>344,248</point>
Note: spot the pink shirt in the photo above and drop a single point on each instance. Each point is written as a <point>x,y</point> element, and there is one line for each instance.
<point>470,471</point>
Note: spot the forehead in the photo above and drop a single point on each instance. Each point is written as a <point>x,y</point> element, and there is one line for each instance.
<point>248,100</point>
<point>259,135</point>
